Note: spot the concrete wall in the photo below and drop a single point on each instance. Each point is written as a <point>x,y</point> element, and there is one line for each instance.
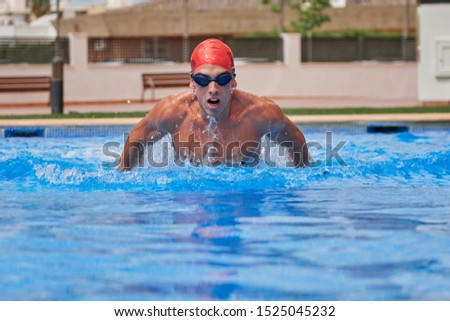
<point>27,31</point>
<point>386,18</point>
<point>85,82</point>
<point>144,20</point>
<point>434,37</point>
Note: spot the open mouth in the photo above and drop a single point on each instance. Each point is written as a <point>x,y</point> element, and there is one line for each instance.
<point>213,102</point>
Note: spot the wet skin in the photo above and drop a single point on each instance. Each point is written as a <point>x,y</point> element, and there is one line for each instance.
<point>218,123</point>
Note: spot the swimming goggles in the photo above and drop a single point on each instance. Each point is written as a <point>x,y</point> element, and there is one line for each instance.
<point>203,80</point>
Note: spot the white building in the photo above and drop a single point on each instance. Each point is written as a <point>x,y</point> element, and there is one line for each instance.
<point>13,12</point>
<point>434,52</point>
<point>15,17</point>
<point>14,6</point>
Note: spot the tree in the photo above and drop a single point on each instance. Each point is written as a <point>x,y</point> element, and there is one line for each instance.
<point>278,7</point>
<point>311,13</point>
<point>40,7</point>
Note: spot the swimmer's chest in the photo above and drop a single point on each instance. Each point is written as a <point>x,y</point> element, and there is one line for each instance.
<point>229,142</point>
<point>198,132</point>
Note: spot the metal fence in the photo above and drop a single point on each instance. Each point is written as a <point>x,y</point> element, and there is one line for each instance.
<point>177,49</point>
<point>257,50</point>
<point>32,50</point>
<point>160,50</point>
<point>358,49</point>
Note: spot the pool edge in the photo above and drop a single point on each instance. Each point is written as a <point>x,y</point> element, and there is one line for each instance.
<point>424,117</point>
<point>69,122</point>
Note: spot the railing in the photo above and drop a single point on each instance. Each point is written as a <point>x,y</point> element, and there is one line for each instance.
<point>358,49</point>
<point>176,49</point>
<point>32,50</point>
<point>164,50</point>
<point>257,50</point>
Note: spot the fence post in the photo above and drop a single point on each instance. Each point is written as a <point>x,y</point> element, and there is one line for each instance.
<point>310,47</point>
<point>291,49</point>
<point>57,86</point>
<point>360,48</point>
<point>78,49</point>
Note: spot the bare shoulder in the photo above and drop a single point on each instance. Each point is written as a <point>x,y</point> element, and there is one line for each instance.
<point>261,109</point>
<point>168,111</point>
<point>170,106</point>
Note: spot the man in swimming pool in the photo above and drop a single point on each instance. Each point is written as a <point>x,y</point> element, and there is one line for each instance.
<point>214,123</point>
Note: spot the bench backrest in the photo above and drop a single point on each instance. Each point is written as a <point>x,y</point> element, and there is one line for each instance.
<point>21,84</point>
<point>165,80</point>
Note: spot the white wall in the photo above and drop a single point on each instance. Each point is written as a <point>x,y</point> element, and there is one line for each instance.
<point>116,4</point>
<point>27,31</point>
<point>84,82</point>
<point>434,25</point>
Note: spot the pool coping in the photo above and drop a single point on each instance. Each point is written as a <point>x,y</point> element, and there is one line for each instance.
<point>364,118</point>
<point>424,117</point>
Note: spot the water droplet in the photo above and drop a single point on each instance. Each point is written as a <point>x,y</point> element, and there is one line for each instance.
<point>211,128</point>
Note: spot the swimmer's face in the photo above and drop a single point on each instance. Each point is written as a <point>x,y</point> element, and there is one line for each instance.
<point>213,97</point>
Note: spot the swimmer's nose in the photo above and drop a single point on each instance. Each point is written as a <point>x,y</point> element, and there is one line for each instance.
<point>213,88</point>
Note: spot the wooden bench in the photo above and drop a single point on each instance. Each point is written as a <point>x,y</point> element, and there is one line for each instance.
<point>25,84</point>
<point>166,80</point>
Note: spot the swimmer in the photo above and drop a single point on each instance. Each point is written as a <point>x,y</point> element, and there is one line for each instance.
<point>214,120</point>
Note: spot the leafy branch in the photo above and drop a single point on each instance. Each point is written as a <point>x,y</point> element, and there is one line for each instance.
<point>310,13</point>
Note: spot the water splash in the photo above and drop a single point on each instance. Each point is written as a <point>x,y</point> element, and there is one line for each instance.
<point>401,160</point>
<point>211,128</point>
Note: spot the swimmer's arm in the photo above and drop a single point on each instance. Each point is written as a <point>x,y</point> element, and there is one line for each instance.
<point>290,136</point>
<point>285,133</point>
<point>148,131</point>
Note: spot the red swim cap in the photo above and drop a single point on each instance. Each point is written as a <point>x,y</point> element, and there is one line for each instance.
<point>213,52</point>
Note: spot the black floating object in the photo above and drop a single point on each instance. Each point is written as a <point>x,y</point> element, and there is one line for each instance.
<point>386,129</point>
<point>24,132</point>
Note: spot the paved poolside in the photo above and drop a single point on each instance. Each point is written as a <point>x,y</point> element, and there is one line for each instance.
<point>285,102</point>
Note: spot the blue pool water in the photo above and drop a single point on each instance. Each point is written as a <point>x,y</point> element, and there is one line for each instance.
<point>376,229</point>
